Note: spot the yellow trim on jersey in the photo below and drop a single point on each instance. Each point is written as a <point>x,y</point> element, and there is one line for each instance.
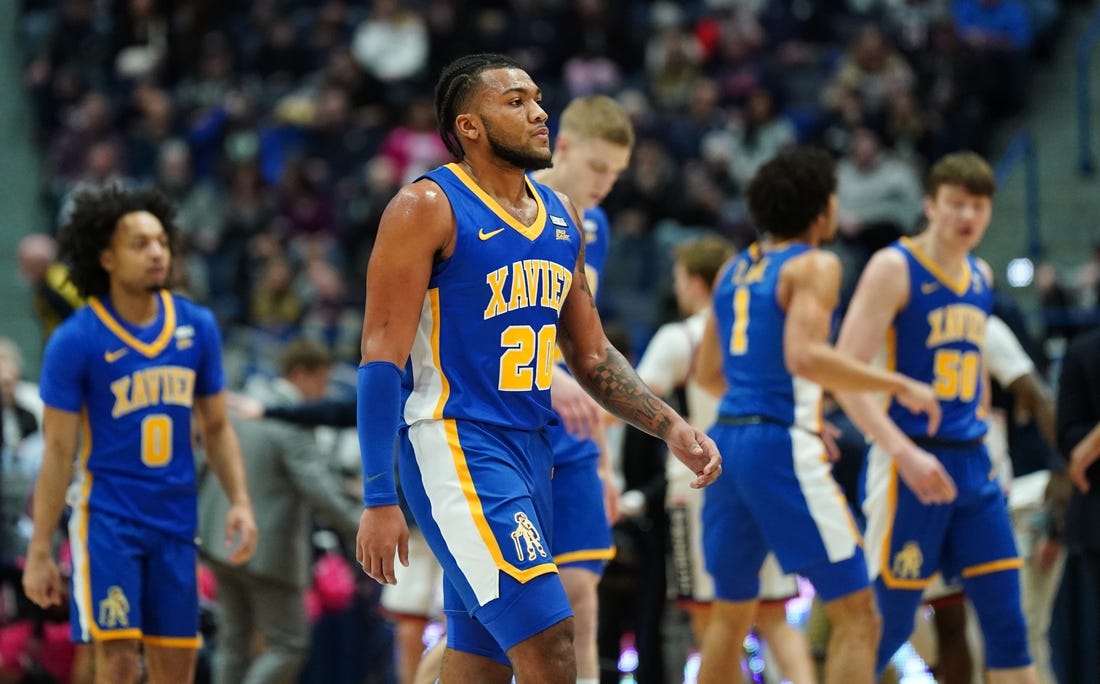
<point>577,556</point>
<point>85,491</point>
<point>958,287</point>
<point>993,566</point>
<point>173,642</point>
<point>444,384</point>
<point>478,513</point>
<point>114,634</point>
<point>150,350</point>
<point>887,575</point>
<point>530,232</point>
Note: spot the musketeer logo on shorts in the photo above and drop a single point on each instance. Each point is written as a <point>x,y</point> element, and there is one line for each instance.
<point>526,538</point>
<point>114,611</point>
<point>908,561</point>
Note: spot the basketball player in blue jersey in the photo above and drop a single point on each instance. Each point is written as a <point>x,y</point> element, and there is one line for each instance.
<point>474,268</point>
<point>767,338</point>
<point>120,379</point>
<point>932,500</point>
<point>591,150</point>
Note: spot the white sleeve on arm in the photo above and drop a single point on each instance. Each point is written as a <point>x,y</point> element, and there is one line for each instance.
<point>1004,356</point>
<point>666,363</point>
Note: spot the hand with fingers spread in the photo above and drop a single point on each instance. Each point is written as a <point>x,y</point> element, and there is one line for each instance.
<point>919,397</point>
<point>383,534</point>
<point>697,451</point>
<point>925,476</point>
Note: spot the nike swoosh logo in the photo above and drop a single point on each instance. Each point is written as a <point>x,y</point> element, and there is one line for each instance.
<point>929,288</point>
<point>486,235</point>
<point>372,478</point>
<point>111,357</point>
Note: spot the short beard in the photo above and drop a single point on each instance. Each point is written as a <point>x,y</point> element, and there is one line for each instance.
<point>519,158</point>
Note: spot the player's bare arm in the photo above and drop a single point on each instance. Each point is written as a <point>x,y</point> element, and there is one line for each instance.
<point>41,578</point>
<point>882,291</point>
<point>417,229</point>
<point>708,359</point>
<point>223,455</point>
<point>808,290</point>
<point>606,374</point>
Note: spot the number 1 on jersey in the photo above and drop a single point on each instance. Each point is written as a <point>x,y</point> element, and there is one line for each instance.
<point>739,339</point>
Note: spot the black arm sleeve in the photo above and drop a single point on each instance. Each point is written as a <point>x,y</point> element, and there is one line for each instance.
<point>329,412</point>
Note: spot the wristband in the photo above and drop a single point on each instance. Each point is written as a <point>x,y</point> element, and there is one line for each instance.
<point>378,403</point>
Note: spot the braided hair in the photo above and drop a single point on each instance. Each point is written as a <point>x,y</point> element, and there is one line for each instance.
<point>456,83</point>
<point>92,224</point>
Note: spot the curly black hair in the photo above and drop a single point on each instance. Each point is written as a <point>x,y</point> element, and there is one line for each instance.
<point>92,224</point>
<point>791,190</point>
<point>456,82</point>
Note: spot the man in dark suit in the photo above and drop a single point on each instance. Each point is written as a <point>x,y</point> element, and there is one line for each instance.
<point>288,482</point>
<point>1078,415</point>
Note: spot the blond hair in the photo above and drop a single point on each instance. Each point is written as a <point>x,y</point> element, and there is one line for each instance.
<point>703,257</point>
<point>599,117</point>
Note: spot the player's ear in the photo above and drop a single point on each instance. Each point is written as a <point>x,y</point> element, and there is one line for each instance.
<point>107,260</point>
<point>467,126</point>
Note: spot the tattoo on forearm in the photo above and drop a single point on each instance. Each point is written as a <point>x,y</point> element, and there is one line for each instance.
<point>588,291</point>
<point>619,390</point>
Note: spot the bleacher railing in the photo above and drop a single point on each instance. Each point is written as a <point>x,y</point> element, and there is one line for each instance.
<point>1085,46</point>
<point>1022,150</point>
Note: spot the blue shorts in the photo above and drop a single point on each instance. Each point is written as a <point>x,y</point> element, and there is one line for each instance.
<point>582,532</point>
<point>131,581</point>
<point>908,542</point>
<point>777,493</point>
<point>481,496</point>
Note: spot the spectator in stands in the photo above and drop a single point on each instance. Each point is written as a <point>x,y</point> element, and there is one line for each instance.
<point>414,146</point>
<point>872,70</point>
<point>391,45</point>
<point>999,35</point>
<point>53,297</point>
<point>878,194</point>
<point>276,308</point>
<point>152,123</point>
<point>673,57</point>
<point>751,139</point>
<point>91,124</point>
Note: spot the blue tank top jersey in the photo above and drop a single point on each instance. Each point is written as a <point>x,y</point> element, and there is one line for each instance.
<point>937,338</point>
<point>486,344</point>
<point>750,329</point>
<point>597,233</point>
<point>135,388</point>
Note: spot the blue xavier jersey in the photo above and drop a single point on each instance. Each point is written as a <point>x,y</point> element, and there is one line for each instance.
<point>750,329</point>
<point>567,447</point>
<point>135,388</point>
<point>597,235</point>
<point>937,338</point>
<point>486,344</point>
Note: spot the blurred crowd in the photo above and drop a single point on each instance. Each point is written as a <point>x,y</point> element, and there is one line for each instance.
<point>282,127</point>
